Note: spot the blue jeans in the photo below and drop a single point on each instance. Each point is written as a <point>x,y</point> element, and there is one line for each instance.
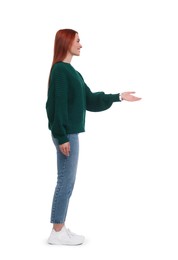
<point>67,168</point>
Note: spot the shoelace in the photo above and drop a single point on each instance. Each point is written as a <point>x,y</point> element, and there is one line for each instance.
<point>70,233</point>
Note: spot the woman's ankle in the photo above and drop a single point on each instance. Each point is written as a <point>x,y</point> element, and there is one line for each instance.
<point>58,227</point>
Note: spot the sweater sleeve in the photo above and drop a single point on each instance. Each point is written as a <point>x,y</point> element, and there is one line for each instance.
<point>60,118</point>
<point>99,101</point>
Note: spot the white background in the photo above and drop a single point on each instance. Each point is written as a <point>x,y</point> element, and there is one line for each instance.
<point>126,197</point>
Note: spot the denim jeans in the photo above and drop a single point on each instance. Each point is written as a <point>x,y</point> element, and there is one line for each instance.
<point>67,168</point>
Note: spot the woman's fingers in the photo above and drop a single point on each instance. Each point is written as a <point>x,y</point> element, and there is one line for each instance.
<point>128,96</point>
<point>65,148</point>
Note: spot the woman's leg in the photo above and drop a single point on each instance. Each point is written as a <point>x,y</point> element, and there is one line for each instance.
<point>67,168</point>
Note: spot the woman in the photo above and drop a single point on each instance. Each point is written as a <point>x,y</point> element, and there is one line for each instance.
<point>68,99</point>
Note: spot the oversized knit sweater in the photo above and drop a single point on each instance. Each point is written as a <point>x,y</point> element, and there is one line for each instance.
<point>68,99</point>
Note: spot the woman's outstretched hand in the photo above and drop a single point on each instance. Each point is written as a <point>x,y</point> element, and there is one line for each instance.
<point>128,96</point>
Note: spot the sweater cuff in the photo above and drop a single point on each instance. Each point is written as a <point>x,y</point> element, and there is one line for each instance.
<point>62,139</point>
<point>115,98</point>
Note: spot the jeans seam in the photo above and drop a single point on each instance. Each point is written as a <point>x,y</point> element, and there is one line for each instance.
<point>58,189</point>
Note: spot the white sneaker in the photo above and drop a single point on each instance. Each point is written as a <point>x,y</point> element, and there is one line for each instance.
<point>65,237</point>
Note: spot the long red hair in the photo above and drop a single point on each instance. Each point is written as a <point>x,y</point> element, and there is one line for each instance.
<point>63,41</point>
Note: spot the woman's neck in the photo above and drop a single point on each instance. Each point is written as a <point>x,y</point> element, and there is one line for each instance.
<point>68,58</point>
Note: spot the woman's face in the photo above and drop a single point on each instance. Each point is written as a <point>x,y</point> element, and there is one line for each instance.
<point>76,46</point>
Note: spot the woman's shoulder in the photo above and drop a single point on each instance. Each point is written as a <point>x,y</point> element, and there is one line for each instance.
<point>59,65</point>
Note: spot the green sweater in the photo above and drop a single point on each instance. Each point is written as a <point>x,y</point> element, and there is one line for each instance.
<point>69,98</point>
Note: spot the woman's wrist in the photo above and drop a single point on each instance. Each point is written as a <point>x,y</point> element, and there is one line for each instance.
<point>120,97</point>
